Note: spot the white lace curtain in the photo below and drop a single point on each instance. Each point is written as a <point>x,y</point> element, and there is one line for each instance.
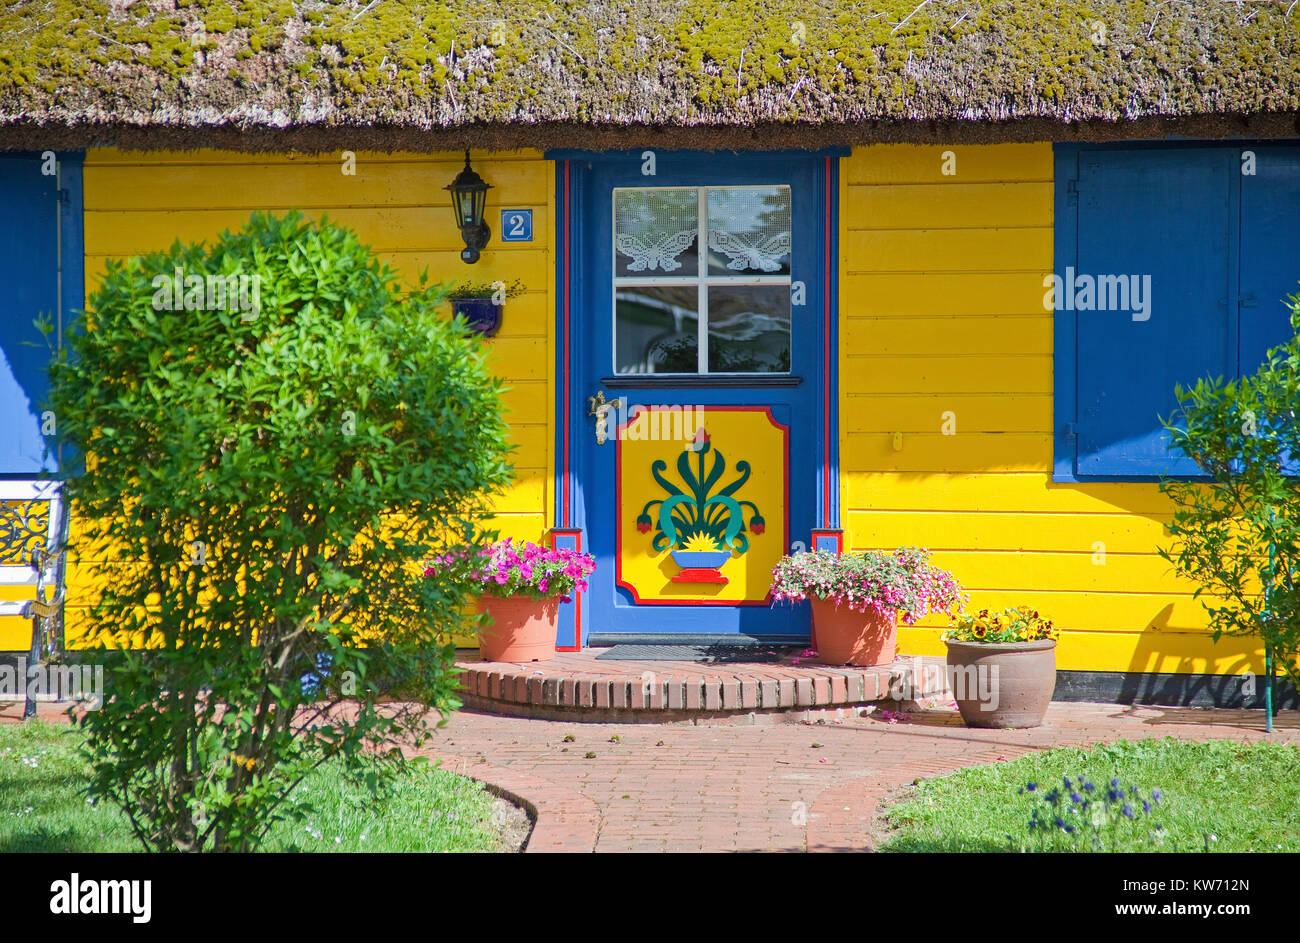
<point>657,231</point>
<point>750,226</point>
<point>654,228</point>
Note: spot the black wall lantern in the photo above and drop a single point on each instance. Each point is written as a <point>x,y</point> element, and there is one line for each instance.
<point>468,199</point>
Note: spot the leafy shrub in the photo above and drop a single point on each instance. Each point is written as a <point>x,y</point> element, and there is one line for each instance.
<point>261,482</point>
<point>1237,534</point>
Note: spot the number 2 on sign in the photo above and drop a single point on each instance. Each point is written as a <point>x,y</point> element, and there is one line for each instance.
<point>516,225</point>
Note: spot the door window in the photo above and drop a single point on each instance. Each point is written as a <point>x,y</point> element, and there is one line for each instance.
<point>727,312</point>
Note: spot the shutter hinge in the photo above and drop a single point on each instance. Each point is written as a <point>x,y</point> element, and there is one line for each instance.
<point>1072,191</point>
<point>1072,430</point>
<point>65,196</point>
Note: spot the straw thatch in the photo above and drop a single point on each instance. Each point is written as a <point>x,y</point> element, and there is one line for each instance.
<point>311,74</point>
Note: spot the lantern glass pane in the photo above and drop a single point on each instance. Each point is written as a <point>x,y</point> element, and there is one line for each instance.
<point>466,201</point>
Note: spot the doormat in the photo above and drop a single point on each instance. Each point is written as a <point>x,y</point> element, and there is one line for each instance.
<point>704,654</point>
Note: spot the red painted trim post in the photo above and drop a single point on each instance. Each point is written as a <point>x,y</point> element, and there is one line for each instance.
<point>569,539</point>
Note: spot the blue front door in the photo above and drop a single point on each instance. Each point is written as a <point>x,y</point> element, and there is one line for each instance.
<point>697,363</point>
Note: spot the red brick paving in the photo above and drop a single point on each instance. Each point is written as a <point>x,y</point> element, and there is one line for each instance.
<point>760,788</point>
<point>768,788</point>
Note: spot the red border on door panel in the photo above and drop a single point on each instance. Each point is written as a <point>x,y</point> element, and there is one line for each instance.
<point>618,503</point>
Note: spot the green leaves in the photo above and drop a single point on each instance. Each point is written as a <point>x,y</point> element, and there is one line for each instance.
<point>1237,534</point>
<point>204,427</point>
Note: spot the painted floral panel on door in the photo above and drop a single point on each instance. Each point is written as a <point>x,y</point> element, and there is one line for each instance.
<point>701,503</point>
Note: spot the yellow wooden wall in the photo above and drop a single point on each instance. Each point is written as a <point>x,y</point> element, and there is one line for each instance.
<point>941,311</point>
<point>142,201</point>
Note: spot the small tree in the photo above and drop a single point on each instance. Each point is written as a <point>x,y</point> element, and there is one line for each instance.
<point>275,438</point>
<point>1237,534</point>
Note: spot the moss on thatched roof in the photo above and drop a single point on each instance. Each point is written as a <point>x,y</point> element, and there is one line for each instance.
<point>446,72</point>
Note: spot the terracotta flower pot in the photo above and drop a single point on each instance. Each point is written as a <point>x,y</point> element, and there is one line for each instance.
<point>1006,684</point>
<point>522,629</point>
<point>847,637</point>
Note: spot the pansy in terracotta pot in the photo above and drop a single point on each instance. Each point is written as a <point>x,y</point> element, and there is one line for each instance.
<point>1002,666</point>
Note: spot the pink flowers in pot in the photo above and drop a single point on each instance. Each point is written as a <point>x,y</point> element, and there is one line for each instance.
<point>904,581</point>
<point>525,569</point>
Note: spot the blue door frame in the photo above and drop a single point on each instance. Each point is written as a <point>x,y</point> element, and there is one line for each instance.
<point>804,401</point>
<point>41,269</point>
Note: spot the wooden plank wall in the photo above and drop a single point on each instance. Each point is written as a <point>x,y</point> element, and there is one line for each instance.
<point>142,201</point>
<point>942,318</point>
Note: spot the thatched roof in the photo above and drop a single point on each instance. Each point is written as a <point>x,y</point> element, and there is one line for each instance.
<point>428,74</point>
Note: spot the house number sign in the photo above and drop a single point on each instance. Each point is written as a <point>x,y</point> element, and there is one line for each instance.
<point>516,225</point>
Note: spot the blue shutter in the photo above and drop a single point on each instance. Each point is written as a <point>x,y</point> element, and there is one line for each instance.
<point>30,213</point>
<point>1168,214</point>
<point>1270,251</point>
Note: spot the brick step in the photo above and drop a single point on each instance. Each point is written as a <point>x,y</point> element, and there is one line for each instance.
<point>575,686</point>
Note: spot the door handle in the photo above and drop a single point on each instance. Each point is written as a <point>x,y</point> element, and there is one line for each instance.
<point>598,407</point>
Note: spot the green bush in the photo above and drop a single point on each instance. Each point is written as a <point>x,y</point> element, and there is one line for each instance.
<point>268,470</point>
<point>1237,534</point>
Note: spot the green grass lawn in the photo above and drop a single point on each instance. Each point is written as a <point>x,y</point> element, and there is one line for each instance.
<point>1220,795</point>
<point>43,806</point>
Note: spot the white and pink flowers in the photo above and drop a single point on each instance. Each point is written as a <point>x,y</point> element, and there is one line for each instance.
<point>525,569</point>
<point>904,581</point>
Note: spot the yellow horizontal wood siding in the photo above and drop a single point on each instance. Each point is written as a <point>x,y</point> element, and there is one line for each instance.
<point>942,320</point>
<point>143,201</point>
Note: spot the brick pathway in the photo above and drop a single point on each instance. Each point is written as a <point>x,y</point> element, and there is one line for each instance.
<point>787,787</point>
